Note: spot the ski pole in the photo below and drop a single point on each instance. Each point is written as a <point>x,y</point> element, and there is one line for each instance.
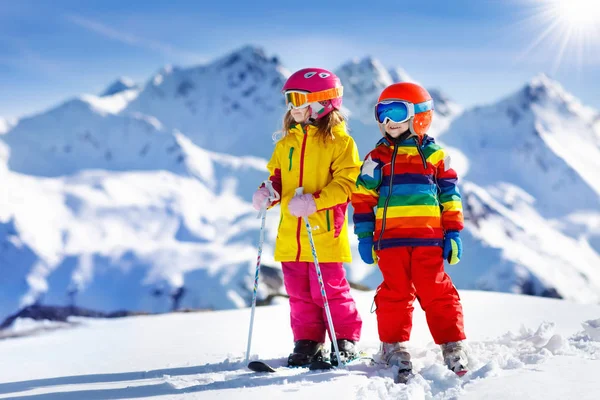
<point>263,215</point>
<point>299,192</point>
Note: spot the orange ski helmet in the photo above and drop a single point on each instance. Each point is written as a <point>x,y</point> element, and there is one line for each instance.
<point>412,93</point>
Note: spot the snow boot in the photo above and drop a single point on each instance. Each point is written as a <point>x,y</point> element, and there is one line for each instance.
<point>455,357</point>
<point>305,352</point>
<point>397,354</point>
<point>348,351</point>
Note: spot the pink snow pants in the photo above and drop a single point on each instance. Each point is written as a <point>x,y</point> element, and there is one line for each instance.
<point>308,317</point>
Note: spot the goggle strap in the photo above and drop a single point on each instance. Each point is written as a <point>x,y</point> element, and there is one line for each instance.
<point>325,94</point>
<point>424,106</point>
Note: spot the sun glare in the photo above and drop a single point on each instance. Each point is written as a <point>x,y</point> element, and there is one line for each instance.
<point>577,14</point>
<point>570,29</point>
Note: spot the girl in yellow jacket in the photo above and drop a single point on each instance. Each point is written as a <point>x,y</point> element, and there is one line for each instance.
<point>315,153</point>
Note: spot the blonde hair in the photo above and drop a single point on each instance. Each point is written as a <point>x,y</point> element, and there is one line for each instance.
<point>324,124</point>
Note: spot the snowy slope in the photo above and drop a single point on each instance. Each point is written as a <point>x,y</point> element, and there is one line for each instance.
<point>112,238</point>
<point>532,348</point>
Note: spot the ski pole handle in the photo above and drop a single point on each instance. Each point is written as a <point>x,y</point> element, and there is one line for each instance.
<point>273,196</point>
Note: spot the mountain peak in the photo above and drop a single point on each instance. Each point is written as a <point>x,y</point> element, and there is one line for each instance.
<point>247,54</point>
<point>120,85</point>
<point>549,94</point>
<point>541,88</point>
<point>398,74</point>
<point>367,69</point>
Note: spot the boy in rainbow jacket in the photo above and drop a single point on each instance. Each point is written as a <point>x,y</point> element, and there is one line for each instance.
<point>408,215</point>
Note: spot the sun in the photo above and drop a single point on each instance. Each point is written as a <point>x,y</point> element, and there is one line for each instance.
<point>570,28</point>
<point>576,14</point>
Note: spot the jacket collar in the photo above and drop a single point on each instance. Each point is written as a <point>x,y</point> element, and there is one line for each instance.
<point>424,141</point>
<point>311,130</point>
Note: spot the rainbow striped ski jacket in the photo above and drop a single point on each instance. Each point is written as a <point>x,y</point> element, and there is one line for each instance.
<point>407,195</point>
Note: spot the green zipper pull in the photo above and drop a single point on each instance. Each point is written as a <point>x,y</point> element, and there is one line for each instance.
<point>290,157</point>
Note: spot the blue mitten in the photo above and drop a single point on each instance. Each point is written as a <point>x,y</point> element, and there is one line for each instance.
<point>452,247</point>
<point>365,249</point>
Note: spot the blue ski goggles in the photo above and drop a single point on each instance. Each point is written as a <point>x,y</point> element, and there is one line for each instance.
<point>399,111</point>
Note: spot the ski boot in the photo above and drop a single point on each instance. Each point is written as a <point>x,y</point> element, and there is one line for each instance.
<point>348,351</point>
<point>397,354</point>
<point>455,357</point>
<point>305,352</point>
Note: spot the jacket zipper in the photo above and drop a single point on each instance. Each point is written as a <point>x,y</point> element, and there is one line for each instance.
<point>387,200</point>
<point>421,153</point>
<point>299,229</point>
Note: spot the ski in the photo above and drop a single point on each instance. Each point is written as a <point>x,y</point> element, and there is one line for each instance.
<point>260,366</point>
<point>317,365</point>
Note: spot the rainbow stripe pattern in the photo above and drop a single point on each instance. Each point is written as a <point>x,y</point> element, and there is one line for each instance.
<point>407,194</point>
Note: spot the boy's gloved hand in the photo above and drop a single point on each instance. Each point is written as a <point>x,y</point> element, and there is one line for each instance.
<point>260,197</point>
<point>366,251</point>
<point>302,205</point>
<point>452,247</point>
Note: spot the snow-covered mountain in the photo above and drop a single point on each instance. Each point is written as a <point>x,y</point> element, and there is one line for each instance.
<point>539,139</point>
<point>520,347</point>
<point>89,133</point>
<point>123,201</point>
<point>232,105</point>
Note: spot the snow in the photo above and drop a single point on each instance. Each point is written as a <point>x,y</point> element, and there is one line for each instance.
<point>6,124</point>
<point>521,347</point>
<point>3,125</point>
<point>112,104</point>
<point>114,237</point>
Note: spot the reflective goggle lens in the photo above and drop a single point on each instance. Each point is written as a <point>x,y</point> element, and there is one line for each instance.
<point>395,111</point>
<point>296,99</point>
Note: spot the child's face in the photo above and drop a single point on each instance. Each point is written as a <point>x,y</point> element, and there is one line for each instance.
<point>395,129</point>
<point>300,114</point>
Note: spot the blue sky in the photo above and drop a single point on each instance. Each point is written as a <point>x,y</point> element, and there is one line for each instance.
<point>474,50</point>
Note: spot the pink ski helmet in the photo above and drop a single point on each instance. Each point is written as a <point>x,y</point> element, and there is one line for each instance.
<point>315,80</point>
